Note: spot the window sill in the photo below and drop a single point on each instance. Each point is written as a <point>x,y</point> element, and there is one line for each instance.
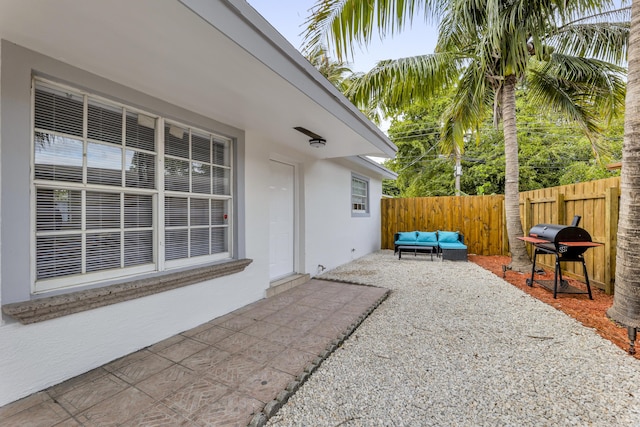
<point>47,308</point>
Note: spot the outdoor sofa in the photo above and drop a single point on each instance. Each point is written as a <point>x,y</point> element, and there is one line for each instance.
<point>448,244</point>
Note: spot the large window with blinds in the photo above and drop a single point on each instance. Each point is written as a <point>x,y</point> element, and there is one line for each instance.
<point>122,192</point>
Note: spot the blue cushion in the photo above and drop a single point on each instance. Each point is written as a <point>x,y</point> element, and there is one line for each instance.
<point>427,236</point>
<point>406,236</point>
<point>452,245</point>
<point>448,236</point>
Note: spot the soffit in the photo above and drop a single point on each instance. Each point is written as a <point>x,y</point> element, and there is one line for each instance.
<point>164,49</point>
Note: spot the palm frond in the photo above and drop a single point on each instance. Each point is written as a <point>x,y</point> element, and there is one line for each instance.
<point>598,83</point>
<point>453,34</point>
<point>604,40</point>
<point>605,11</point>
<point>337,72</point>
<point>470,102</point>
<point>341,24</point>
<point>588,92</point>
<point>393,84</point>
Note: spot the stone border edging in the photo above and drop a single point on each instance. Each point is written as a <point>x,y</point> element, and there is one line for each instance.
<point>271,408</point>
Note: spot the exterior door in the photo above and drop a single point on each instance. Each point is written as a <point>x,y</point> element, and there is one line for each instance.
<point>282,220</point>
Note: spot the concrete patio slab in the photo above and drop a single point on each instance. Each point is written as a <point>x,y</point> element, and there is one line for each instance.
<point>231,371</point>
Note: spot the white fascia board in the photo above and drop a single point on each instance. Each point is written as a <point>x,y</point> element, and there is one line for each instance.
<point>373,166</point>
<point>235,17</point>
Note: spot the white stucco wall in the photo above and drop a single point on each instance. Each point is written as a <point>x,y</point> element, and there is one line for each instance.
<point>333,236</point>
<point>257,204</point>
<point>326,231</point>
<point>1,319</point>
<point>35,356</point>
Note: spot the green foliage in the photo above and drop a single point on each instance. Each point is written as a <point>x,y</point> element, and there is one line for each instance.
<point>581,172</point>
<point>389,188</point>
<point>416,133</point>
<point>552,152</point>
<point>483,165</point>
<point>567,53</point>
<point>565,56</point>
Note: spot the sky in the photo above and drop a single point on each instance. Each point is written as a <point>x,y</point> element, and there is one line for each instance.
<point>288,17</point>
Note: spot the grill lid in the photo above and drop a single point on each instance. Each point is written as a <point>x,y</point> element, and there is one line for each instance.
<point>559,233</point>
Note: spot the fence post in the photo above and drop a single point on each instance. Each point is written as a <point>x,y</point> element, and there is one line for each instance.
<point>611,237</point>
<point>527,215</point>
<point>560,208</point>
<point>383,223</point>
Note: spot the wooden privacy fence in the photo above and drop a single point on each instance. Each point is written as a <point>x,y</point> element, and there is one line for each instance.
<point>481,220</point>
<point>597,202</point>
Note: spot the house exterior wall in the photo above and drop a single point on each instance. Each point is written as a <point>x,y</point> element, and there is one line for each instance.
<point>333,235</point>
<point>1,318</point>
<point>35,356</point>
<point>326,230</point>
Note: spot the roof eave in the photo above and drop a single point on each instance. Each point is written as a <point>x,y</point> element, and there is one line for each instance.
<point>274,51</point>
<point>373,166</point>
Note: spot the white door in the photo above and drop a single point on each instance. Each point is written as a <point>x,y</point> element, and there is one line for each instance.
<point>281,224</point>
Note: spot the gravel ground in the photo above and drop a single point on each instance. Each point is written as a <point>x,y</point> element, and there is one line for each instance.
<point>455,345</point>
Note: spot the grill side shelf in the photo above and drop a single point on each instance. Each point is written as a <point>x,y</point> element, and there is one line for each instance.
<point>582,244</point>
<point>533,239</point>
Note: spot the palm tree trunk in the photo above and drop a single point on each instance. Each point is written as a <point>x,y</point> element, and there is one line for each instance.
<point>626,301</point>
<point>519,258</point>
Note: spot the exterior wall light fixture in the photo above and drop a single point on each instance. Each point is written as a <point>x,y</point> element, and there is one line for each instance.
<point>316,140</point>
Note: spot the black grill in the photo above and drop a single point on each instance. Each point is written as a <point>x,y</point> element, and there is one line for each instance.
<point>567,243</point>
<point>557,235</point>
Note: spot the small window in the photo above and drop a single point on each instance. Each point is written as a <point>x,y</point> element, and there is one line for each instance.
<point>359,196</point>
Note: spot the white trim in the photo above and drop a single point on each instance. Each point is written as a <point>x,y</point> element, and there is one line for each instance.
<point>32,194</point>
<point>366,211</point>
<point>296,212</point>
<point>88,279</point>
<point>373,166</point>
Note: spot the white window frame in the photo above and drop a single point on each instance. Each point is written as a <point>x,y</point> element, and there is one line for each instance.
<point>159,264</point>
<point>357,200</point>
<point>197,260</point>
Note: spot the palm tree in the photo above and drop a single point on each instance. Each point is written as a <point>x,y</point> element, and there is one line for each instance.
<point>626,301</point>
<point>340,75</point>
<point>337,72</point>
<point>485,49</point>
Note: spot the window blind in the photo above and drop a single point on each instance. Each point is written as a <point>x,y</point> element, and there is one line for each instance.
<point>197,164</point>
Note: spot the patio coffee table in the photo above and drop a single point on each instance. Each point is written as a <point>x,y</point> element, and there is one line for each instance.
<point>416,250</point>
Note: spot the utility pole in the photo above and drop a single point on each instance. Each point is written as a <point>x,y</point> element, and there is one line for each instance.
<point>457,172</point>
